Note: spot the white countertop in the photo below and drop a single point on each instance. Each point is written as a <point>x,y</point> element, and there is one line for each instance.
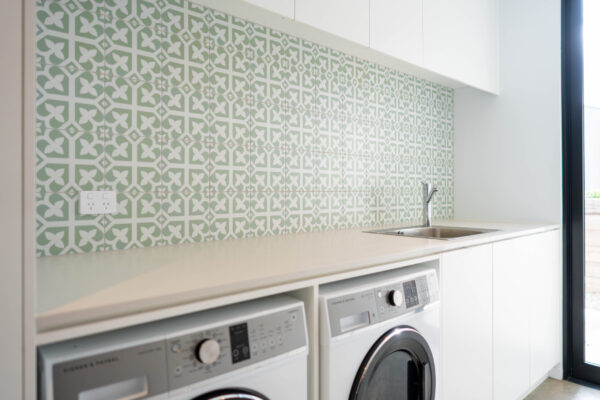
<point>81,288</point>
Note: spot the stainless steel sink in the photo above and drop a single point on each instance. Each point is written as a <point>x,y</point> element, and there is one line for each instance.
<point>434,232</point>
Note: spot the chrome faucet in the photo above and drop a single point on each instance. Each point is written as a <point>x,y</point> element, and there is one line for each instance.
<point>428,191</point>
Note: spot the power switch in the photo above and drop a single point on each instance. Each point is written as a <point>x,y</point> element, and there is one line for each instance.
<point>97,202</point>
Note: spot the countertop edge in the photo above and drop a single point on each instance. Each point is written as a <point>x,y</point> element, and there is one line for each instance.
<point>50,320</point>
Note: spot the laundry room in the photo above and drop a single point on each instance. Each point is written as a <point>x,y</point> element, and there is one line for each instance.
<point>300,200</point>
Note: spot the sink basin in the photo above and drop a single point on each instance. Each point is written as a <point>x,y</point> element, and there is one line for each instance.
<point>434,232</point>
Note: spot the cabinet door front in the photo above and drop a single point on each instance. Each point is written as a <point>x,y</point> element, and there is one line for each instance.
<point>460,40</point>
<point>467,324</point>
<point>397,29</point>
<point>546,304</point>
<point>281,7</point>
<point>512,282</point>
<point>348,19</point>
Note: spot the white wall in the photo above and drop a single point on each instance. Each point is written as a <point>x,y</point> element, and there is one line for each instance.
<point>11,343</point>
<point>508,147</point>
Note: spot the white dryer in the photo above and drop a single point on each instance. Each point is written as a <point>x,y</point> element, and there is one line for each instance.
<point>255,351</point>
<point>380,336</point>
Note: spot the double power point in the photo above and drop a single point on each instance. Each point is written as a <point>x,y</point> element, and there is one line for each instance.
<point>97,202</point>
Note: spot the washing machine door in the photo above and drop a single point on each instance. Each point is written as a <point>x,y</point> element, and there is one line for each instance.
<point>232,394</point>
<point>399,366</point>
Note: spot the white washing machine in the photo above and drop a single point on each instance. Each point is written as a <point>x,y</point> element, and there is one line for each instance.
<point>256,351</point>
<point>380,336</point>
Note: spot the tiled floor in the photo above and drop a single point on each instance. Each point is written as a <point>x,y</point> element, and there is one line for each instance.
<point>552,389</point>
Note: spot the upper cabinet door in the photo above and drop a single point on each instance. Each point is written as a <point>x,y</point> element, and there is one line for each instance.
<point>460,40</point>
<point>348,19</point>
<point>397,29</point>
<point>281,7</point>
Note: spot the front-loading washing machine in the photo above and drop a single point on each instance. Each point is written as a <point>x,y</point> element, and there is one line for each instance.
<point>380,336</point>
<point>255,350</point>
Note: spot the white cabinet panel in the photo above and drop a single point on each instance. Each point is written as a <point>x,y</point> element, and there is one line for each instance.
<point>511,318</point>
<point>345,18</point>
<point>397,29</point>
<point>460,40</point>
<point>466,281</point>
<point>282,7</point>
<point>546,304</point>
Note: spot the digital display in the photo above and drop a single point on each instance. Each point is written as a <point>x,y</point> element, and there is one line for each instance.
<point>411,295</point>
<point>354,321</point>
<point>238,337</point>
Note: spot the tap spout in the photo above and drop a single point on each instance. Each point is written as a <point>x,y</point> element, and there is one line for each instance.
<point>428,191</point>
<point>430,195</point>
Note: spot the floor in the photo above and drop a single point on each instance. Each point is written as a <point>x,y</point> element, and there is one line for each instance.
<point>552,389</point>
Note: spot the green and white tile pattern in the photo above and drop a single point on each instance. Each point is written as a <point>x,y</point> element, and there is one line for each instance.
<point>211,127</point>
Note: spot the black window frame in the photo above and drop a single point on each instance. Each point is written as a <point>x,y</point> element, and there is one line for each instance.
<point>574,364</point>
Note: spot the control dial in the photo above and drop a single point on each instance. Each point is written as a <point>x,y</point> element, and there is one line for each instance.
<point>208,351</point>
<point>395,298</point>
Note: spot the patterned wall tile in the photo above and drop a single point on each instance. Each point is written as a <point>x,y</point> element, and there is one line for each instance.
<point>187,166</point>
<point>133,51</point>
<point>232,212</point>
<point>211,127</point>
<point>60,230</point>
<point>269,213</point>
<point>69,99</point>
<point>133,163</point>
<point>137,223</point>
<point>69,161</point>
<point>69,35</point>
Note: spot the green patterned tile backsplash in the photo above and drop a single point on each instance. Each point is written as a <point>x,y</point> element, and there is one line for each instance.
<point>211,127</point>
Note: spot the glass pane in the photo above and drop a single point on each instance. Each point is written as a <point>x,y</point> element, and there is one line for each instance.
<point>396,377</point>
<point>591,55</point>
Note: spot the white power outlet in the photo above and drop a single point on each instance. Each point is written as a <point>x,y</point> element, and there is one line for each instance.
<point>97,202</point>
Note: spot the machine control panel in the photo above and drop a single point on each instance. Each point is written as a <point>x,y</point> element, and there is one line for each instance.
<point>233,346</point>
<point>240,345</point>
<point>353,311</point>
<point>155,359</point>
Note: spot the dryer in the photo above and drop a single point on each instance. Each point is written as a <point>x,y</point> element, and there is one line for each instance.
<point>380,336</point>
<point>255,350</point>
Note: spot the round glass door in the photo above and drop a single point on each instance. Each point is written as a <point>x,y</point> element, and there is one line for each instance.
<point>232,394</point>
<point>399,366</point>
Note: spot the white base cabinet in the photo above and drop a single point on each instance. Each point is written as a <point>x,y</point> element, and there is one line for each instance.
<point>527,312</point>
<point>512,280</point>
<point>466,282</point>
<point>502,317</point>
<point>545,329</point>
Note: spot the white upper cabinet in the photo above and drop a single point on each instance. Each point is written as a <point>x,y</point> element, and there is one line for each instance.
<point>397,29</point>
<point>453,42</point>
<point>281,7</point>
<point>348,19</point>
<point>460,40</point>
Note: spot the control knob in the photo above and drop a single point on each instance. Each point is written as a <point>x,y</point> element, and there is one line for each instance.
<point>395,298</point>
<point>208,351</point>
